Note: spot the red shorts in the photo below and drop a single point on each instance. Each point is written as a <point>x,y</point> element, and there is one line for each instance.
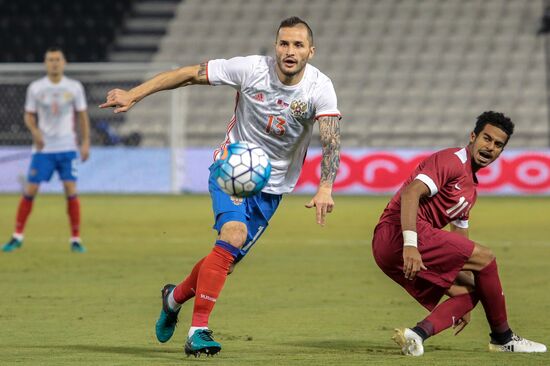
<point>444,254</point>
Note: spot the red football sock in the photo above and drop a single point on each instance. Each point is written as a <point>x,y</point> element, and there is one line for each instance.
<point>490,294</point>
<point>446,314</point>
<point>23,212</point>
<point>210,281</point>
<point>186,290</point>
<point>73,209</point>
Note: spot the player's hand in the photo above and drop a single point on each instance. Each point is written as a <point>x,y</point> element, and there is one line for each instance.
<point>120,100</point>
<point>412,262</point>
<point>462,323</point>
<point>38,141</point>
<point>323,203</point>
<point>84,151</point>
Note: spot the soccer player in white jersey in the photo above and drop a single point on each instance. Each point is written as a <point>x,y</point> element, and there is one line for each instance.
<point>279,100</point>
<point>50,108</point>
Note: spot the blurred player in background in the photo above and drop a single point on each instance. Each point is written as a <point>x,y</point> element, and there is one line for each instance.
<point>411,248</point>
<point>50,108</point>
<point>279,100</point>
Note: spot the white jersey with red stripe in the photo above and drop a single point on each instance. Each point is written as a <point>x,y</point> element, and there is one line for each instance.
<point>55,105</point>
<point>277,117</point>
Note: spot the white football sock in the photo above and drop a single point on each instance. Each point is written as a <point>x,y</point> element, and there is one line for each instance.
<point>193,329</point>
<point>172,303</point>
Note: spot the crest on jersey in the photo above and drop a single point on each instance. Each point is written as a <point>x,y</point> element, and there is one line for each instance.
<point>298,108</point>
<point>67,96</point>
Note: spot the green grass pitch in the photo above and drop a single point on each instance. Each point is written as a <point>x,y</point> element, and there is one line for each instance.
<point>305,295</point>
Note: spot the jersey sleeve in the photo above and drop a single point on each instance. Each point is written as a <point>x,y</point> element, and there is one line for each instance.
<point>80,98</point>
<point>438,169</point>
<point>30,100</point>
<point>325,101</point>
<point>233,72</point>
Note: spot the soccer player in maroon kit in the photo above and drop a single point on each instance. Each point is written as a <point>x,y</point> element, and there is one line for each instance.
<point>411,248</point>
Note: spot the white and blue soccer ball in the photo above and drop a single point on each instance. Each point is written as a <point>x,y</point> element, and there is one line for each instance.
<point>242,170</point>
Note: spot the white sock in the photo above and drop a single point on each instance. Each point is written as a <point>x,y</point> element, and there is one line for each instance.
<point>17,236</point>
<point>193,329</point>
<point>75,239</point>
<point>172,303</point>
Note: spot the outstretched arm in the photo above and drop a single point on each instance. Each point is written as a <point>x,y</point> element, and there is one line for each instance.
<point>329,127</point>
<point>123,100</point>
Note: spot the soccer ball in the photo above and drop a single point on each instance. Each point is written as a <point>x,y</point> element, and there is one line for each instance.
<point>242,170</point>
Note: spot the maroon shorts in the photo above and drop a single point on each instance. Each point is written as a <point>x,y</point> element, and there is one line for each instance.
<point>444,254</point>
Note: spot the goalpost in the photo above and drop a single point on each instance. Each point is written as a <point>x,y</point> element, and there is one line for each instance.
<point>137,152</point>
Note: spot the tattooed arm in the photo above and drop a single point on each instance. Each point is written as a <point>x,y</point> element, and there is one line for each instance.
<point>123,100</point>
<point>329,128</point>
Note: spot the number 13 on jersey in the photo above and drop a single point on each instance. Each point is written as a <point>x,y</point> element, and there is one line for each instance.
<point>275,125</point>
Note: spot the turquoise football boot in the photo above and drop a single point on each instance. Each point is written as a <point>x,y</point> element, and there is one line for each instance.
<point>77,247</point>
<point>202,342</point>
<point>11,245</point>
<point>166,324</point>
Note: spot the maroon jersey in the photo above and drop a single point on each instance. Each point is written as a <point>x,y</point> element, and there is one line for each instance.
<point>448,174</point>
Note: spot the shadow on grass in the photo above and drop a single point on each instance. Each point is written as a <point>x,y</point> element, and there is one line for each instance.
<point>359,346</point>
<point>339,345</point>
<point>152,352</point>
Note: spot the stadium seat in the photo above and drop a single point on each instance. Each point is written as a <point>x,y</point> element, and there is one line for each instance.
<point>396,65</point>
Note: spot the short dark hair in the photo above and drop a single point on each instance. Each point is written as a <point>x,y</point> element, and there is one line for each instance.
<point>54,49</point>
<point>294,21</point>
<point>494,119</point>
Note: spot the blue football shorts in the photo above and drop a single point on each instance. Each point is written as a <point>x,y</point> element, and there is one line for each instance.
<point>255,212</point>
<point>43,165</point>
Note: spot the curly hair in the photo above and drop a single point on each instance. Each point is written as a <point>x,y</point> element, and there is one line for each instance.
<point>494,119</point>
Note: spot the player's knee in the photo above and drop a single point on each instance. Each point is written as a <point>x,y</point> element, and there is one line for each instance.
<point>484,255</point>
<point>457,290</point>
<point>488,255</point>
<point>234,233</point>
<point>31,190</point>
<point>70,189</point>
<point>480,258</point>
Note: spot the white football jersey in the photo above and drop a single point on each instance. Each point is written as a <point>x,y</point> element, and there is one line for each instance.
<point>274,116</point>
<point>56,105</point>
